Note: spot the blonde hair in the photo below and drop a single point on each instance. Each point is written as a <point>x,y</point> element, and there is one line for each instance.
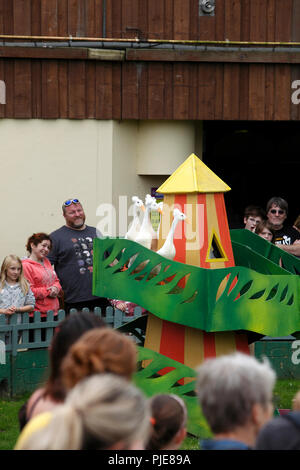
<point>5,265</point>
<point>100,411</point>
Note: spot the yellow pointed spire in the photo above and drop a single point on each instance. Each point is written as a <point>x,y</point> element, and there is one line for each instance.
<point>193,176</point>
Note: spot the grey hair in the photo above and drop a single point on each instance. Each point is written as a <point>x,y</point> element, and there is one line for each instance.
<point>101,410</point>
<point>277,201</point>
<point>228,387</point>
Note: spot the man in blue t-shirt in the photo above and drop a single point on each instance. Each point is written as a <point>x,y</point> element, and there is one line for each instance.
<point>72,258</point>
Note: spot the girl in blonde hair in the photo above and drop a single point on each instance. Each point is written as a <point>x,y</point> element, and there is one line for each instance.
<point>103,411</point>
<point>15,293</point>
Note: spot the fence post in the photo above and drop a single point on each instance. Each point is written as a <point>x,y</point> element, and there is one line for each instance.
<point>2,352</point>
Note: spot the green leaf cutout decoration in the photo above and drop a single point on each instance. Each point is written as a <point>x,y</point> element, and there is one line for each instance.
<point>255,247</point>
<point>264,303</point>
<point>149,380</point>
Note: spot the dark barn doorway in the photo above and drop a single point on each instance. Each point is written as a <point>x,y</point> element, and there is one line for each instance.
<point>258,160</point>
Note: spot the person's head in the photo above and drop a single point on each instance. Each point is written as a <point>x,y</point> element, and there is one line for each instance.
<point>39,245</point>
<point>280,433</point>
<point>169,417</point>
<point>66,334</point>
<point>74,214</point>
<point>235,392</point>
<point>297,223</point>
<point>12,272</point>
<point>102,412</point>
<point>277,211</point>
<point>101,350</point>
<point>252,216</point>
<point>264,229</point>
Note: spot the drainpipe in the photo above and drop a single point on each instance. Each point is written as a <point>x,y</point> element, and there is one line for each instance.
<point>104,18</point>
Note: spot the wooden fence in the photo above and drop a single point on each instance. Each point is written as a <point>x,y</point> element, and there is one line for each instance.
<point>24,346</point>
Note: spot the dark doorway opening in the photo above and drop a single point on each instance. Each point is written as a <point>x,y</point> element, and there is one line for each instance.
<point>258,160</point>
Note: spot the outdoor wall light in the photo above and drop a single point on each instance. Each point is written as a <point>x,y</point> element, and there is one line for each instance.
<point>207,7</point>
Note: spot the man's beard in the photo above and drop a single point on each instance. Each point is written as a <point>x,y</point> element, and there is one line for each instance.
<point>78,225</point>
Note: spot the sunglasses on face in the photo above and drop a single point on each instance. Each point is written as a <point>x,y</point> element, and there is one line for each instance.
<point>277,211</point>
<point>71,201</point>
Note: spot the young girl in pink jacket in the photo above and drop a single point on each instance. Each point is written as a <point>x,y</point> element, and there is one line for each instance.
<point>38,271</point>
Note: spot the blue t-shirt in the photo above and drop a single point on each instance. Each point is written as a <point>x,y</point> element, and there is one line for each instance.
<point>223,444</point>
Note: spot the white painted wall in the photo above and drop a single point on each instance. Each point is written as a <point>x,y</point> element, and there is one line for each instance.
<point>44,162</point>
<point>164,145</point>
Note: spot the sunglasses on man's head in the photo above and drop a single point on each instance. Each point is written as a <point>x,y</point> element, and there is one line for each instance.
<point>71,201</point>
<point>277,211</point>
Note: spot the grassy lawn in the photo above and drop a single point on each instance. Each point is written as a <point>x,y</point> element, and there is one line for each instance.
<point>9,425</point>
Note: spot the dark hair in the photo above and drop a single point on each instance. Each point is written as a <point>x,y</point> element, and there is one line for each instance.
<point>277,201</point>
<point>255,211</point>
<point>264,224</point>
<point>66,334</point>
<point>37,238</point>
<point>168,417</point>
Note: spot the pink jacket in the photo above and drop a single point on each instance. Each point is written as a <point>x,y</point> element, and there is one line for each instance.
<point>41,277</point>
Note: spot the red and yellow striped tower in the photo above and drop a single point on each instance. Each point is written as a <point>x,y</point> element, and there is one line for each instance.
<point>206,243</point>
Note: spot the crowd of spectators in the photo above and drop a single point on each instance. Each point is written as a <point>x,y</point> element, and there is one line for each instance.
<point>90,400</point>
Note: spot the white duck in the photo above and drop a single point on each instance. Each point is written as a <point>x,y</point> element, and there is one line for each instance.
<point>135,226</point>
<point>160,210</point>
<point>147,232</point>
<point>156,206</point>
<point>168,249</point>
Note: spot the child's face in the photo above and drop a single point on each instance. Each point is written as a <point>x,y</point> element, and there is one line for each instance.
<point>266,234</point>
<point>13,271</point>
<point>251,222</point>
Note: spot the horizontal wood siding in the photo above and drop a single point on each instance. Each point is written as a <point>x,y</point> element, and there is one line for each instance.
<point>85,89</point>
<point>236,20</point>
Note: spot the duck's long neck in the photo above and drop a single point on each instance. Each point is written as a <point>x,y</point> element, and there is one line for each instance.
<point>170,235</point>
<point>146,219</point>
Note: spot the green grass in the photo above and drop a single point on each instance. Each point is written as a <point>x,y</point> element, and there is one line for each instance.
<point>284,392</point>
<point>9,425</point>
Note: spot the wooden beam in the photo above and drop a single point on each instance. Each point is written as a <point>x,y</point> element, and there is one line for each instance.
<point>167,55</point>
<point>72,53</point>
<point>154,55</point>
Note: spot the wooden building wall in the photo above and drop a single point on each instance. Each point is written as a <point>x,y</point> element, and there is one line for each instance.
<point>220,87</point>
<point>77,89</point>
<point>236,20</point>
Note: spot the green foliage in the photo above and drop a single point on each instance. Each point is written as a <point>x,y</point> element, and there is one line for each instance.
<point>264,303</point>
<point>151,382</point>
<point>261,255</point>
